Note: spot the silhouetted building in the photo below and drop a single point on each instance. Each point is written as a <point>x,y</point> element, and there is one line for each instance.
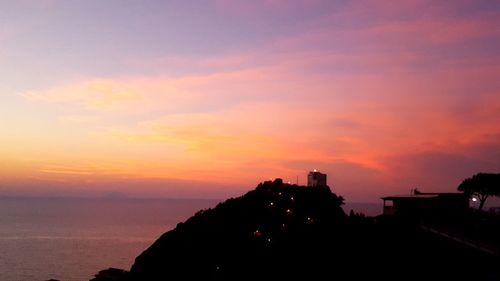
<point>316,178</point>
<point>422,204</point>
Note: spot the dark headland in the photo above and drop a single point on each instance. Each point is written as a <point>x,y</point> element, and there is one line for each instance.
<point>287,232</point>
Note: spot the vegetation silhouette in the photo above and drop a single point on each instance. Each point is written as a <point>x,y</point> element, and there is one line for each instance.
<point>280,231</point>
<point>482,186</point>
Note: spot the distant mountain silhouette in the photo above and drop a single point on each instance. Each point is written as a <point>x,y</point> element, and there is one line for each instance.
<point>280,231</point>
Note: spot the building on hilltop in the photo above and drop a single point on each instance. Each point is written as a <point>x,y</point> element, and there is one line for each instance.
<point>423,204</point>
<point>316,179</point>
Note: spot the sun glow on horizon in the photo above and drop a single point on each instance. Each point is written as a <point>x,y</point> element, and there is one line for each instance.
<point>147,101</point>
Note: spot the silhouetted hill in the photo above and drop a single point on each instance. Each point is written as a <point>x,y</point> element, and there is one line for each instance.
<point>258,233</point>
<point>280,231</point>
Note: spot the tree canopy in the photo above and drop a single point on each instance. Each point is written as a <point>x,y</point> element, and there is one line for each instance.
<point>482,185</point>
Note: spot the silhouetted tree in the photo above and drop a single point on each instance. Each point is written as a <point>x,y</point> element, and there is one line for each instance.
<point>482,185</point>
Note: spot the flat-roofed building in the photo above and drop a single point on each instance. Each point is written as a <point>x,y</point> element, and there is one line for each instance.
<point>316,179</point>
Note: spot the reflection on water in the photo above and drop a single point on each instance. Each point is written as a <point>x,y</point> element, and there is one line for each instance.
<point>71,239</point>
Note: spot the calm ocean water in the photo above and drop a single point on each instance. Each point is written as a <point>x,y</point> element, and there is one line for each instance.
<point>369,209</point>
<point>72,239</point>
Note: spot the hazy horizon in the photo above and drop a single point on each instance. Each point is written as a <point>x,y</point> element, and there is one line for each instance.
<point>206,99</point>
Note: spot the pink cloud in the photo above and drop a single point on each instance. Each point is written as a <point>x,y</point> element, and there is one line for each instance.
<point>247,9</point>
<point>370,103</point>
<point>358,118</point>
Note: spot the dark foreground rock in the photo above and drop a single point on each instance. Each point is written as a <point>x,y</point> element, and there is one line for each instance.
<point>112,274</point>
<point>280,231</point>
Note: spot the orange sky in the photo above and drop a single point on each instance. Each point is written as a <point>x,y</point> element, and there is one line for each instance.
<point>207,100</point>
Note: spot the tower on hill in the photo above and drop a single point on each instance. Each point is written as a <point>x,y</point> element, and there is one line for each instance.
<point>316,179</point>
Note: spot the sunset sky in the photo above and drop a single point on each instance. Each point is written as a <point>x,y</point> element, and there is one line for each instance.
<point>208,98</point>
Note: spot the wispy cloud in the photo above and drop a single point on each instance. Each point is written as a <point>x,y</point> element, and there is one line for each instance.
<point>65,172</point>
<point>94,94</point>
<point>371,90</point>
<point>79,119</point>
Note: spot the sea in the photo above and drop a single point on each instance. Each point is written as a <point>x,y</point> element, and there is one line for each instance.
<point>71,239</point>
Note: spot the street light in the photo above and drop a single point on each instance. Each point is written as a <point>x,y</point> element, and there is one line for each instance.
<point>474,200</point>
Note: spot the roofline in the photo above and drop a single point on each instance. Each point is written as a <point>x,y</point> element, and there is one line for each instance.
<point>409,197</point>
<point>439,193</point>
<point>422,195</point>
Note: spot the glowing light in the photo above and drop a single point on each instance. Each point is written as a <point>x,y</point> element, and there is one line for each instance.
<point>474,199</point>
<point>315,170</point>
